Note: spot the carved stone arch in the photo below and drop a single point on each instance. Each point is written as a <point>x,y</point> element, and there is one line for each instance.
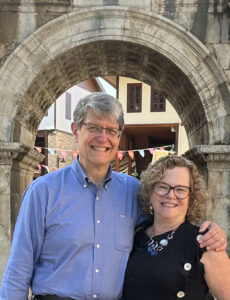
<point>114,41</point>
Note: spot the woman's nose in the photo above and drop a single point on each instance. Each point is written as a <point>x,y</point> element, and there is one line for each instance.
<point>171,194</point>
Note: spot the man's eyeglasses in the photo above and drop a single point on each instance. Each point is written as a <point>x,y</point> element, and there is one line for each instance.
<point>95,129</point>
<point>163,189</point>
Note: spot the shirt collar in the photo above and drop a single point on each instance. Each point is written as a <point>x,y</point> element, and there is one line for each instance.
<point>82,177</point>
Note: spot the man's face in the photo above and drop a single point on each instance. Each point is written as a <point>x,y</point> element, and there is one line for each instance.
<point>96,149</point>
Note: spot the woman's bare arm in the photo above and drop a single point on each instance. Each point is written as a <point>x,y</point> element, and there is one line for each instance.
<point>217,273</point>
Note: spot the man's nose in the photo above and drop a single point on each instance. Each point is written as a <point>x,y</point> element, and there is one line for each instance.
<point>102,134</point>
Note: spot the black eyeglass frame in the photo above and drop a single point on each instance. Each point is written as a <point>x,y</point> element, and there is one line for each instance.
<point>172,188</point>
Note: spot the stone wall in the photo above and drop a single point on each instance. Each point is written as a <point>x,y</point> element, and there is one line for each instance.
<point>63,141</point>
<point>17,164</point>
<point>213,161</point>
<point>208,20</point>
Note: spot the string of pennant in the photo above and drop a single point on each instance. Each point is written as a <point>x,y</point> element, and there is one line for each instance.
<point>155,152</point>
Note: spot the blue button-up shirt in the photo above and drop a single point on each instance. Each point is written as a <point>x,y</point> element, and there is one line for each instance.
<point>72,239</point>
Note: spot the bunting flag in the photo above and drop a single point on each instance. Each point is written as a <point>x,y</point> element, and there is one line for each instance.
<point>55,150</point>
<point>151,150</point>
<point>158,154</point>
<point>63,153</point>
<point>46,167</point>
<point>54,169</point>
<point>120,154</point>
<point>39,149</point>
<point>51,151</point>
<point>142,153</point>
<point>131,154</point>
<point>75,153</point>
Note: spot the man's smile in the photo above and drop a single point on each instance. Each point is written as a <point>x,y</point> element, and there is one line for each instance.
<point>100,149</point>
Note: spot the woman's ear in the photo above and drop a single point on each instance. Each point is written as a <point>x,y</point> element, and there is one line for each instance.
<point>74,129</point>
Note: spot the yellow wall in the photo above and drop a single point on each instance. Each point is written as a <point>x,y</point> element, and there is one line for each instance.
<point>183,145</point>
<point>147,117</point>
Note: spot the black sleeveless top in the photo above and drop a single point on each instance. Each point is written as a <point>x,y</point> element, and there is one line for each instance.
<point>174,273</point>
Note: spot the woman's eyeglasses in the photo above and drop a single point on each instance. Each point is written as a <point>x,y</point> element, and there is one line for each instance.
<point>163,189</point>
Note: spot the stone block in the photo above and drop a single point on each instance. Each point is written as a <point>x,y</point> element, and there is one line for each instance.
<point>222,52</point>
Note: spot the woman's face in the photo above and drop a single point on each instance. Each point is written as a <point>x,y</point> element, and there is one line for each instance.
<point>169,208</point>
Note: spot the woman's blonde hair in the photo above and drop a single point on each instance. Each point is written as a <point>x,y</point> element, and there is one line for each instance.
<point>155,172</point>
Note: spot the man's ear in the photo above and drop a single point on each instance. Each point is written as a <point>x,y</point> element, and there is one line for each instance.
<point>74,129</point>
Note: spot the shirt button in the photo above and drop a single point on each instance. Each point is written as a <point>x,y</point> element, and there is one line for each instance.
<point>96,270</point>
<point>98,221</point>
<point>180,294</point>
<point>94,296</point>
<point>187,267</point>
<point>98,246</point>
<point>85,185</point>
<point>97,198</point>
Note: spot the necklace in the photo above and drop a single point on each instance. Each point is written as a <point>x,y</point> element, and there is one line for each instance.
<point>155,247</point>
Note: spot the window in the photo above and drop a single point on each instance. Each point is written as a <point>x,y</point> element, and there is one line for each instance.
<point>134,95</point>
<point>68,106</point>
<point>158,101</point>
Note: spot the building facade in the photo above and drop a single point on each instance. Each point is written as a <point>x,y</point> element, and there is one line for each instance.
<point>54,137</point>
<point>151,122</point>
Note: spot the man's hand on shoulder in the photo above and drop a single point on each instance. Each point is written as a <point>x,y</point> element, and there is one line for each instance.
<point>214,239</point>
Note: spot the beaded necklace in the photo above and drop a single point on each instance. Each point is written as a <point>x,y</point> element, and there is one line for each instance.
<point>153,246</point>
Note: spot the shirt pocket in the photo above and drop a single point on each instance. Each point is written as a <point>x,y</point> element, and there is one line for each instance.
<point>123,231</point>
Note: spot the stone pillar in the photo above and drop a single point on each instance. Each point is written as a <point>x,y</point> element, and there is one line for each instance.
<point>213,162</point>
<point>17,163</point>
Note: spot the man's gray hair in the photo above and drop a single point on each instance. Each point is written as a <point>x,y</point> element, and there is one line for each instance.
<point>102,105</point>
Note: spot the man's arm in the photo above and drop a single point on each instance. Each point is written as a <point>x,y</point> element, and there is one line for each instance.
<point>214,239</point>
<point>25,249</point>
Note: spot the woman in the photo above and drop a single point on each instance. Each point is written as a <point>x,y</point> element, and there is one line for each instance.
<point>166,262</point>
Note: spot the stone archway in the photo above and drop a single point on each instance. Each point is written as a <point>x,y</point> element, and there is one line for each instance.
<point>118,41</point>
<point>96,42</point>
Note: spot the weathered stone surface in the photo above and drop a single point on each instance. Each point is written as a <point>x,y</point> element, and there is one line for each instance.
<point>91,55</point>
<point>17,163</point>
<point>222,52</point>
<point>213,162</point>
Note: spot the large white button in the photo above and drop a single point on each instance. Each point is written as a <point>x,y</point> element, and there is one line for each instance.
<point>94,296</point>
<point>180,294</point>
<point>98,246</point>
<point>199,237</point>
<point>96,270</point>
<point>98,221</point>
<point>97,198</point>
<point>187,267</point>
<point>85,185</point>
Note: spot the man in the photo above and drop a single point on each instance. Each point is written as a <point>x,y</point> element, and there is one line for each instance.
<point>75,228</point>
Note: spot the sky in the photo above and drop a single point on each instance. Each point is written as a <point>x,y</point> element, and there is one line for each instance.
<point>108,87</point>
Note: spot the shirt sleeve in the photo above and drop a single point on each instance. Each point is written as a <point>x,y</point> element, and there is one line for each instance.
<point>141,217</point>
<point>26,244</point>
